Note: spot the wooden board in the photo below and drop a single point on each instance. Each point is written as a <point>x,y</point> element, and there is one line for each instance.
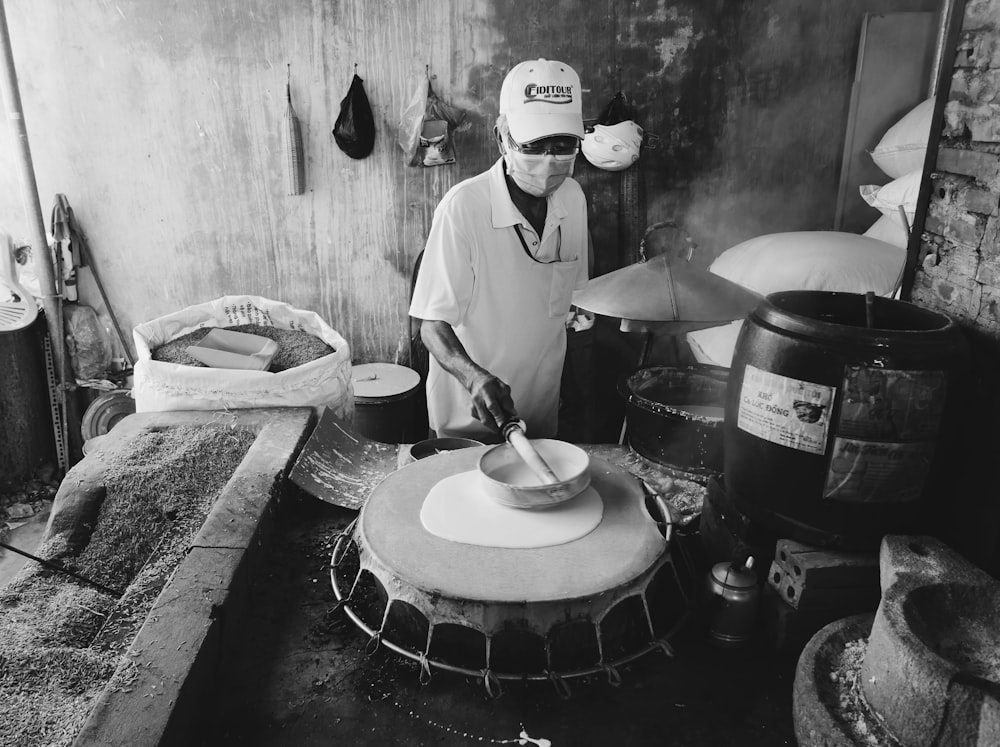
<point>894,73</point>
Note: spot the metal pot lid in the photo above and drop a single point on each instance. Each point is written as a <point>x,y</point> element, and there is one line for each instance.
<point>734,575</point>
<point>104,413</point>
<point>374,380</point>
<point>663,291</point>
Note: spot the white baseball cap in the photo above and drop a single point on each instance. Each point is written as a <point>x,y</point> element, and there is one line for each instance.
<point>541,98</point>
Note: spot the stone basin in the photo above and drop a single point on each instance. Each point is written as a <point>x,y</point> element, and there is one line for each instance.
<point>931,669</point>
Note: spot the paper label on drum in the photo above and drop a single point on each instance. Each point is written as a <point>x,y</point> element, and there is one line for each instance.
<point>891,406</point>
<point>877,472</point>
<point>785,411</point>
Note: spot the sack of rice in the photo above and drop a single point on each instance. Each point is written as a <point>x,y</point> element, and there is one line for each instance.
<point>312,366</point>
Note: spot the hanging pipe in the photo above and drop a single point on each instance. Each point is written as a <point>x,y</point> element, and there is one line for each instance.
<point>29,191</point>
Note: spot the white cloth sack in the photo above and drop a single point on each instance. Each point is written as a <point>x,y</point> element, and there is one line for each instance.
<point>888,198</point>
<point>811,260</point>
<point>160,386</point>
<point>904,145</point>
<point>890,229</point>
<point>798,260</point>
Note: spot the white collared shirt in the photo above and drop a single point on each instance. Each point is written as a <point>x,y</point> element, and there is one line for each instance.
<point>507,309</point>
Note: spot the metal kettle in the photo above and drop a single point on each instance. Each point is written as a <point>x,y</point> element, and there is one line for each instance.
<point>731,598</point>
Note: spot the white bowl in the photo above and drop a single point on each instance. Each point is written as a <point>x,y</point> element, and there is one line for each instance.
<point>508,480</point>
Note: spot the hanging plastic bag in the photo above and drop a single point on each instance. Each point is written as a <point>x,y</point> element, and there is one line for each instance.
<point>438,108</point>
<point>87,342</point>
<point>411,122</point>
<point>618,110</point>
<point>354,130</point>
<point>434,148</point>
<point>440,121</point>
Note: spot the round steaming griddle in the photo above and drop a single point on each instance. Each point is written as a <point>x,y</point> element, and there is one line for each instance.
<point>624,544</point>
<point>577,608</point>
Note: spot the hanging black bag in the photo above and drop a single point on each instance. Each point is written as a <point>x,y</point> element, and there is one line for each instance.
<point>355,127</point>
<point>619,109</point>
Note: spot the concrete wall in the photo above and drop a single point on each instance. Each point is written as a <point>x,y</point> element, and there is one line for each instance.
<point>161,121</point>
<point>958,270</point>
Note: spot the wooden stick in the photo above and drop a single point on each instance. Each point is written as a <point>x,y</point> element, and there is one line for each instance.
<point>906,227</point>
<point>906,221</point>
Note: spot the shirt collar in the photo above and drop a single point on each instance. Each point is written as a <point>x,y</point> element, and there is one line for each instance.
<point>505,212</point>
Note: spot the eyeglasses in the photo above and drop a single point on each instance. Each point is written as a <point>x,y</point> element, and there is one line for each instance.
<point>547,147</point>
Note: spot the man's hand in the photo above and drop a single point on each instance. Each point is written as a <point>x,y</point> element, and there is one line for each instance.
<point>492,404</point>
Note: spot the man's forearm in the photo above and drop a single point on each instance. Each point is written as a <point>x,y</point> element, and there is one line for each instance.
<point>442,342</point>
<point>491,398</point>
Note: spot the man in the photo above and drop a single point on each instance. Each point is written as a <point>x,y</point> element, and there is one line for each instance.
<point>506,250</point>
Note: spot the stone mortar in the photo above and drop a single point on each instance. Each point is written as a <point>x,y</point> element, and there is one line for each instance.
<point>815,693</point>
<point>932,666</point>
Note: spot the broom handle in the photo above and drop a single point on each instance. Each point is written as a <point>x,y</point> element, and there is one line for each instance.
<point>88,260</point>
<point>54,567</point>
<point>514,433</point>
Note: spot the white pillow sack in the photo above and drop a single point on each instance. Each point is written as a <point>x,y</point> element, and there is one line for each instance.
<point>888,198</point>
<point>904,145</point>
<point>811,260</point>
<point>714,346</point>
<point>890,229</point>
<point>798,260</point>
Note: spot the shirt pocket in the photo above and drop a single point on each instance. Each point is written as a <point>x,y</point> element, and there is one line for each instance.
<point>561,288</point>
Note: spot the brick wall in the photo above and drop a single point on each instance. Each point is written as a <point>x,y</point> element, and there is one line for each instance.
<point>958,269</point>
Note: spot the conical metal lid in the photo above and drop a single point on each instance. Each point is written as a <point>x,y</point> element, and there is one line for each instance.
<point>663,291</point>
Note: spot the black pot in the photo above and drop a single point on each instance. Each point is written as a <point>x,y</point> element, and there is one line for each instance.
<point>674,416</point>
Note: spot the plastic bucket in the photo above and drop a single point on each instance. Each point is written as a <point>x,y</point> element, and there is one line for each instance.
<point>838,423</point>
<point>433,446</point>
<point>674,415</point>
<point>385,396</point>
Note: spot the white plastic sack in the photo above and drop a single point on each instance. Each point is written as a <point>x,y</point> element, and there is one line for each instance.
<point>411,121</point>
<point>160,386</point>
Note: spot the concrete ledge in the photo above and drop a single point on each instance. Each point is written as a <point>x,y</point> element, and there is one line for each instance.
<point>178,649</point>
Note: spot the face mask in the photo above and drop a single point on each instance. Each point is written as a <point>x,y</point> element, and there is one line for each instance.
<point>538,175</point>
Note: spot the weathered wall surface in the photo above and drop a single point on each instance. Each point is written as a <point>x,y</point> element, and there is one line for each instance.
<point>959,265</point>
<point>161,121</point>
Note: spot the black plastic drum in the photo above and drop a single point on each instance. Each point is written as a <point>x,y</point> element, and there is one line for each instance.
<point>840,413</point>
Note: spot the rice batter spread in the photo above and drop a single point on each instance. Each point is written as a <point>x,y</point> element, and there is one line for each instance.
<point>457,509</point>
